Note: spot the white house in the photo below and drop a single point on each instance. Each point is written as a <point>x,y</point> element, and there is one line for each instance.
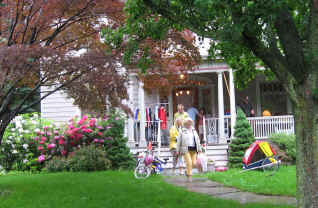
<point>210,86</point>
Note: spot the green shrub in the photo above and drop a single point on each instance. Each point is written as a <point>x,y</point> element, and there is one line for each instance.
<point>119,154</point>
<point>18,150</point>
<point>117,151</point>
<point>243,138</point>
<point>30,142</point>
<point>57,164</point>
<point>287,146</point>
<point>106,132</point>
<point>89,158</point>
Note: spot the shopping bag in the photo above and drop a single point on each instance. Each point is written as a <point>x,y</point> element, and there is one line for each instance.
<point>198,161</point>
<point>202,162</point>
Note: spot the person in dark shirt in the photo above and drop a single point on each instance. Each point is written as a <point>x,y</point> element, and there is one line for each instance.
<point>247,107</point>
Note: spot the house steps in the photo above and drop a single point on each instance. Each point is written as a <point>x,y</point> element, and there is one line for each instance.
<point>218,153</point>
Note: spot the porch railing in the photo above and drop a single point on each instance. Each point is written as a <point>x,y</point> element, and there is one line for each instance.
<point>211,129</point>
<point>264,127</point>
<point>152,132</point>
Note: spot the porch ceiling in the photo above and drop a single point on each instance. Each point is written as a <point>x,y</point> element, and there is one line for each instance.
<point>208,78</point>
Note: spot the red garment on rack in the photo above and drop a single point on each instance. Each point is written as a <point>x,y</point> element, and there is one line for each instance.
<point>163,118</point>
<point>147,117</point>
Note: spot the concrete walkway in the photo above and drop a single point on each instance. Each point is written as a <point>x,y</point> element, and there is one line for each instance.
<point>206,186</point>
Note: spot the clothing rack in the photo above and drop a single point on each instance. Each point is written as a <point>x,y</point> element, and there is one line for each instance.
<point>154,114</point>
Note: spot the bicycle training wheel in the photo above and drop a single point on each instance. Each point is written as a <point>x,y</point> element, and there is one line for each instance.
<point>142,172</point>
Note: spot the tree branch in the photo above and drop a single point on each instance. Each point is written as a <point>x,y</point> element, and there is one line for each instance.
<point>29,95</point>
<point>311,46</point>
<point>73,40</point>
<point>14,24</point>
<point>50,93</point>
<point>27,23</point>
<point>67,22</point>
<point>291,44</point>
<point>8,95</point>
<point>273,58</point>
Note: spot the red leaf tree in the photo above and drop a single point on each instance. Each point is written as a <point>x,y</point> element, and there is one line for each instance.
<point>39,44</point>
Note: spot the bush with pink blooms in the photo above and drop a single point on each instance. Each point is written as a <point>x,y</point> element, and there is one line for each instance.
<point>19,149</point>
<point>79,132</point>
<point>105,133</point>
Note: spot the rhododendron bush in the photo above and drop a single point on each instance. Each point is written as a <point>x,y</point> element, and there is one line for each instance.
<point>78,132</point>
<point>19,149</point>
<point>48,141</point>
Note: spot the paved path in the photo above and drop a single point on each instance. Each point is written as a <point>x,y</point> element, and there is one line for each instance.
<point>206,186</point>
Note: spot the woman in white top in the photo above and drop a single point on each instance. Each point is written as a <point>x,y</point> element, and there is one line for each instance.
<point>188,145</point>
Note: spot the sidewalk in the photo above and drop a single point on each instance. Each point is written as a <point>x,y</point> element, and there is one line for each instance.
<point>206,186</point>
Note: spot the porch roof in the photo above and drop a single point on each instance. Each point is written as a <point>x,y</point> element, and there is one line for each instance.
<point>202,68</point>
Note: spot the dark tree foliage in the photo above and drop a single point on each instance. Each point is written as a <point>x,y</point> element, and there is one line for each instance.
<point>46,46</point>
<point>281,36</point>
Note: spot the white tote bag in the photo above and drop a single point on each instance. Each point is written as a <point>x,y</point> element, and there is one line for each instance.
<point>203,161</point>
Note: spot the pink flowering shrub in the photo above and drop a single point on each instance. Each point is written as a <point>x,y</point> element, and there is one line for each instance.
<point>78,132</point>
<point>21,149</point>
<point>104,133</point>
<point>32,143</point>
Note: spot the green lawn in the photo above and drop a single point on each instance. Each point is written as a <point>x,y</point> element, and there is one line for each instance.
<point>282,182</point>
<point>99,190</point>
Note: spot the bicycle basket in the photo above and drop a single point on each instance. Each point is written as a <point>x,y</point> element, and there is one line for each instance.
<point>148,159</point>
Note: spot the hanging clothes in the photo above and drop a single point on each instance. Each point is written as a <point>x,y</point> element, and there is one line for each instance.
<point>150,114</point>
<point>137,125</point>
<point>148,117</point>
<point>163,118</point>
<point>137,115</point>
<point>156,114</point>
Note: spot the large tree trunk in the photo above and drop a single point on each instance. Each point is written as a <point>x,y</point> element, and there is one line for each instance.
<point>306,117</point>
<point>2,130</point>
<point>4,122</point>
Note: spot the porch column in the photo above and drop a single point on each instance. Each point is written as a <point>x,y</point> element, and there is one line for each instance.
<point>141,96</point>
<point>213,101</point>
<point>222,138</point>
<point>232,102</point>
<point>130,131</point>
<point>258,98</point>
<point>170,108</point>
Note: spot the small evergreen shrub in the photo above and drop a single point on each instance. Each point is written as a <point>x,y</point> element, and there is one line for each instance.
<point>117,151</point>
<point>287,146</point>
<point>89,158</point>
<point>119,154</point>
<point>57,164</point>
<point>243,138</point>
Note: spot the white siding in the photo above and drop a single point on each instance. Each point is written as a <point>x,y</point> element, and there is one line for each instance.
<point>58,107</point>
